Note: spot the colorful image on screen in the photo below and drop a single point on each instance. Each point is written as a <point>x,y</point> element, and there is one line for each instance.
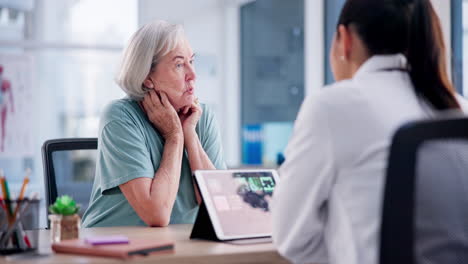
<point>241,200</point>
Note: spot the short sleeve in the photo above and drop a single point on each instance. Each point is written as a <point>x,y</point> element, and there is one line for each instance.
<point>123,155</point>
<point>211,139</point>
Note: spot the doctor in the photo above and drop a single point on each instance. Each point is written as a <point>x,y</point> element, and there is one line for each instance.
<point>388,58</point>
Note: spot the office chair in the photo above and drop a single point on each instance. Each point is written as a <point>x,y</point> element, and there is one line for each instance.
<point>69,167</point>
<point>425,207</point>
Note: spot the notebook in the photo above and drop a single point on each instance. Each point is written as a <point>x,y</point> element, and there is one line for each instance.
<point>136,247</point>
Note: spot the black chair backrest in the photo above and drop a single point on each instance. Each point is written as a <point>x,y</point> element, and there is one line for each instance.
<point>69,166</point>
<point>422,219</point>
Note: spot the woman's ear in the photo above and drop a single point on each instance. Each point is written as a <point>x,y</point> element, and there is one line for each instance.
<point>346,42</point>
<point>148,83</point>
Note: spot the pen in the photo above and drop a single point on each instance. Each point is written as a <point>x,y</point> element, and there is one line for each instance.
<point>2,203</point>
<point>147,251</point>
<point>26,239</point>
<point>6,197</point>
<point>2,200</point>
<point>25,182</point>
<point>21,196</point>
<point>3,216</point>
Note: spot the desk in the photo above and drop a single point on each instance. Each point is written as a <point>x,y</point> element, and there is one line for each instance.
<point>186,250</point>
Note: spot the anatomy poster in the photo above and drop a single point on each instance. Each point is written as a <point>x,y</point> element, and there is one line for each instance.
<point>16,105</point>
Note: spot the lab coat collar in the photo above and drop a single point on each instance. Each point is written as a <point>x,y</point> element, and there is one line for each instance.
<point>382,63</point>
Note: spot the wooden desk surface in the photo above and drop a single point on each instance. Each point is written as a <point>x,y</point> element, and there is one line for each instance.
<point>186,250</point>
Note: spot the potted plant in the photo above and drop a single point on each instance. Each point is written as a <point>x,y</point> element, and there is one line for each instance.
<point>64,220</point>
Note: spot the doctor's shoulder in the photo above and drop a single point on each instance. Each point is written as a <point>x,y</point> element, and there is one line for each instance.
<point>335,95</point>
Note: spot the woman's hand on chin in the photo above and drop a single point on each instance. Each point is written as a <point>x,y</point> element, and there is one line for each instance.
<point>162,114</point>
<point>189,116</point>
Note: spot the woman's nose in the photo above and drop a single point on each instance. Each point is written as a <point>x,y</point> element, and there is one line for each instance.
<point>190,75</point>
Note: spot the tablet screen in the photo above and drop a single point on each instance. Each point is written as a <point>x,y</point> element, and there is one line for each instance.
<point>241,201</point>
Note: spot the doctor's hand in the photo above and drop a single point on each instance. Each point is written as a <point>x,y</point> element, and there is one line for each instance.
<point>162,114</point>
<point>189,116</point>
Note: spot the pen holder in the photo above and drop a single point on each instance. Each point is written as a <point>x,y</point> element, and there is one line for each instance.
<point>64,227</point>
<point>18,219</point>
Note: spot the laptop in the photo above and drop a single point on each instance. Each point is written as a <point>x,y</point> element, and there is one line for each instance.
<point>238,201</point>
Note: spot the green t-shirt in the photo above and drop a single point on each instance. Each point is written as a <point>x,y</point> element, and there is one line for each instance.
<point>129,148</point>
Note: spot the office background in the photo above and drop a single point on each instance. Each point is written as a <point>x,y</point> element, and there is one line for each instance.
<point>255,62</point>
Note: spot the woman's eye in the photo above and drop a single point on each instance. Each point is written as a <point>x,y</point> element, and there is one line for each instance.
<point>191,62</point>
<point>179,65</point>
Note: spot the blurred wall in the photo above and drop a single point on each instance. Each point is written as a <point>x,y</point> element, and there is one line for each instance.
<point>442,8</point>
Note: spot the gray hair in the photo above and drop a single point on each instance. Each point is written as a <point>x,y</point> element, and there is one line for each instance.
<point>144,50</point>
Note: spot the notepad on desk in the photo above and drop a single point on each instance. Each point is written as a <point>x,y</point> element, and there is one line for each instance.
<point>135,247</point>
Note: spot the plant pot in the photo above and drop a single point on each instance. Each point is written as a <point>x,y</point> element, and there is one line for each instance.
<point>64,227</point>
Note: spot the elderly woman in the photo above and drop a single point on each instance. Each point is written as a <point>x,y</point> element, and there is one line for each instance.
<point>143,175</point>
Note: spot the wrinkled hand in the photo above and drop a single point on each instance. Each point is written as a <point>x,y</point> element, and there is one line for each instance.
<point>162,114</point>
<point>189,116</point>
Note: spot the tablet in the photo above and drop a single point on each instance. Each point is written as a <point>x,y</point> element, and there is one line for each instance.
<point>238,201</point>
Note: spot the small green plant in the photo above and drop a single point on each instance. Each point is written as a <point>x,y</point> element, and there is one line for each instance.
<point>64,205</point>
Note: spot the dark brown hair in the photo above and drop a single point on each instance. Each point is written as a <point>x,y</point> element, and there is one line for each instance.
<point>410,27</point>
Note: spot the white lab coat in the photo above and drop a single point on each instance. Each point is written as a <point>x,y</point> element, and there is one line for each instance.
<point>327,205</point>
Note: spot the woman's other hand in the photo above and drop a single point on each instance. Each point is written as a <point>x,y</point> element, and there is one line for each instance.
<point>189,116</point>
<point>162,114</point>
